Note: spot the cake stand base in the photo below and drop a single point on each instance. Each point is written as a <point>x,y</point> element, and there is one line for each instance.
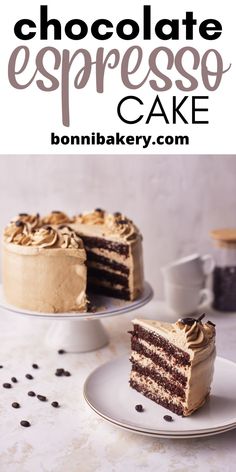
<point>77,335</point>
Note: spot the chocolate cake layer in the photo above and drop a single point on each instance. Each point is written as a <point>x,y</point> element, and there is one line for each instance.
<point>177,409</point>
<point>154,375</point>
<point>182,358</point>
<point>124,294</point>
<point>91,256</point>
<point>139,348</point>
<point>110,276</point>
<point>93,242</point>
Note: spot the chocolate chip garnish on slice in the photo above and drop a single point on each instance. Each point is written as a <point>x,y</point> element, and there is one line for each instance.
<point>25,423</point>
<point>56,212</point>
<point>23,214</point>
<point>14,380</point>
<point>187,321</point>
<point>29,376</point>
<point>168,418</point>
<point>139,408</point>
<point>35,366</point>
<point>61,351</point>
<point>201,317</point>
<point>42,398</point>
<point>31,394</point>
<point>7,385</point>
<point>15,405</point>
<point>55,404</point>
<point>210,323</point>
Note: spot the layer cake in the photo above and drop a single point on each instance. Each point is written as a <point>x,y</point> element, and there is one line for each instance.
<point>50,262</point>
<point>173,364</point>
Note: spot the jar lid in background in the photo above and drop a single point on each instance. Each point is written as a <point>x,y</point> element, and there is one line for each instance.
<point>224,237</point>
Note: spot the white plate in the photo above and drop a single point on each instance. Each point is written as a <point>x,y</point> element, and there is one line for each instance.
<point>105,306</point>
<point>108,393</point>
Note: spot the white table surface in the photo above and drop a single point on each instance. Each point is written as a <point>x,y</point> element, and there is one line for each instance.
<point>73,438</point>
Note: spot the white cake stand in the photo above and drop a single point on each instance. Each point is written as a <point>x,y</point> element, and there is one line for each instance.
<point>82,332</point>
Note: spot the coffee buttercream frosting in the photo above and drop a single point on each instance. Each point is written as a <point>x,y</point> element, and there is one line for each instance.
<point>113,224</point>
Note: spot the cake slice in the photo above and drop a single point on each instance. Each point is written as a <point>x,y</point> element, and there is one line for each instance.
<point>173,364</point>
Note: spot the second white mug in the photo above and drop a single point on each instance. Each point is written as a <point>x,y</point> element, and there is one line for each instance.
<point>186,300</point>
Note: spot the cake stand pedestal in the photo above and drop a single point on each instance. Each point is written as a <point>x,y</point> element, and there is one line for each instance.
<point>82,332</point>
<point>77,335</point>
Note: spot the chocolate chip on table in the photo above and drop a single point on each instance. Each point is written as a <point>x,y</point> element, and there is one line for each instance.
<point>67,374</point>
<point>29,376</point>
<point>59,372</point>
<point>1,366</point>
<point>139,408</point>
<point>31,394</point>
<point>61,351</point>
<point>7,385</point>
<point>35,366</point>
<point>42,398</point>
<point>55,404</point>
<point>168,418</point>
<point>25,423</point>
<point>14,380</point>
<point>15,405</point>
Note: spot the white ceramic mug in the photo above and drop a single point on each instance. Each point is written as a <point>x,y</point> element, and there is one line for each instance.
<point>191,270</point>
<point>186,300</point>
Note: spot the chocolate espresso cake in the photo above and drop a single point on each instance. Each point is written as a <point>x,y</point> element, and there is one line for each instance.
<point>50,262</point>
<point>173,364</point>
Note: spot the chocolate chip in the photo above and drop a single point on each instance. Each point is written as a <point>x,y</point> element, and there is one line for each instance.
<point>99,210</point>
<point>1,366</point>
<point>37,215</point>
<point>29,376</point>
<point>117,213</point>
<point>122,222</point>
<point>139,408</point>
<point>19,223</point>
<point>59,374</point>
<point>201,317</point>
<point>210,323</point>
<point>55,404</point>
<point>25,423</point>
<point>15,405</point>
<point>35,366</point>
<point>7,385</point>
<point>14,380</point>
<point>66,373</point>
<point>56,212</point>
<point>61,351</point>
<point>188,321</point>
<point>168,418</point>
<point>23,214</point>
<point>42,398</point>
<point>31,393</point>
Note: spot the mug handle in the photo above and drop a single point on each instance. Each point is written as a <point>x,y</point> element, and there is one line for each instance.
<point>208,264</point>
<point>206,297</point>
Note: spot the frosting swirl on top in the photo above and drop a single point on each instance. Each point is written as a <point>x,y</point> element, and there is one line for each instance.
<point>17,232</point>
<point>31,221</point>
<point>44,237</point>
<point>197,334</point>
<point>56,218</point>
<point>114,224</point>
<point>96,217</point>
